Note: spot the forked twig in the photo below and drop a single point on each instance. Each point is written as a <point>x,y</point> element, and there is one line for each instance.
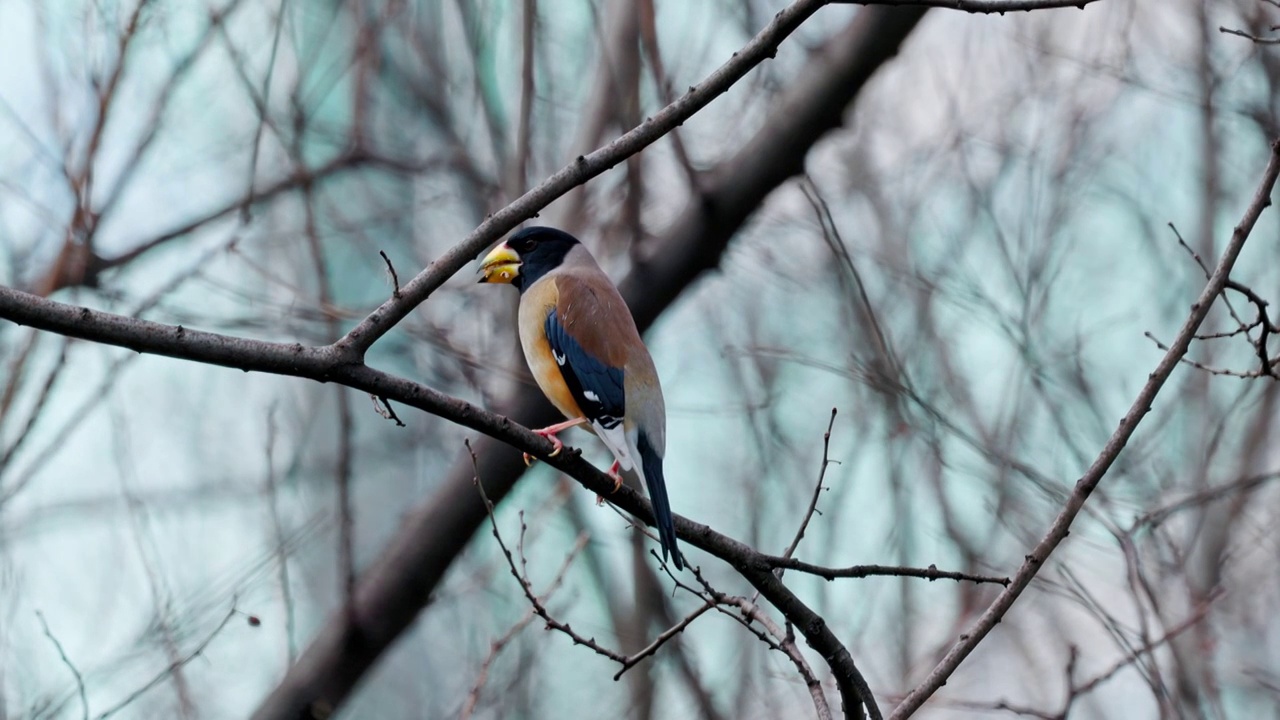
<point>749,615</point>
<point>538,605</point>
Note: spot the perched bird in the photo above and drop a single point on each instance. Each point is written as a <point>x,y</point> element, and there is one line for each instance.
<point>586,354</point>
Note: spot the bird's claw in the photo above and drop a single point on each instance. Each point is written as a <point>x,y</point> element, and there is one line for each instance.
<point>616,474</point>
<point>556,445</point>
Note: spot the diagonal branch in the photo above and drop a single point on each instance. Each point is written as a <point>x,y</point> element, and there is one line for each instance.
<point>1115,445</point>
<point>320,363</point>
<point>762,47</point>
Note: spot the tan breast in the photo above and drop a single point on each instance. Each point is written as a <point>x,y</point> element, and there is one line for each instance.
<point>534,306</point>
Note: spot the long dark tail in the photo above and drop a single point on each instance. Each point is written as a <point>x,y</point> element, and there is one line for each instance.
<point>651,461</point>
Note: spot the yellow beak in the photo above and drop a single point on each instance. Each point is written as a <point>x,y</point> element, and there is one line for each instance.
<point>501,265</point>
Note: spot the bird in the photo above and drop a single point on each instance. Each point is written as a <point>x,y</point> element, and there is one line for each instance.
<point>585,353</point>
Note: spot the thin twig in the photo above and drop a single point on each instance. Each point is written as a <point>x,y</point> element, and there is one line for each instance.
<point>1226,334</point>
<point>473,697</point>
<point>999,7</point>
<point>482,676</point>
<point>1263,322</point>
<point>528,38</point>
<point>817,491</point>
<point>84,699</point>
<point>537,605</point>
<point>930,573</point>
<point>749,614</point>
<point>39,406</point>
<point>662,639</point>
<point>1247,36</point>
<point>343,460</point>
<point>1224,372</point>
<point>395,278</point>
<point>1076,691</point>
<point>174,666</point>
<point>1231,309</point>
<point>813,503</point>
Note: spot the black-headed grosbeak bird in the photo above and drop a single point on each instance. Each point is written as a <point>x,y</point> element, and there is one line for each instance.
<point>587,357</point>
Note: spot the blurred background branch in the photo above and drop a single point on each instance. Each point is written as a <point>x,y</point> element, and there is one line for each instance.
<point>955,229</point>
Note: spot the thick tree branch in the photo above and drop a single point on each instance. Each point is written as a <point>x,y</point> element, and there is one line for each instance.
<point>1115,445</point>
<point>320,363</point>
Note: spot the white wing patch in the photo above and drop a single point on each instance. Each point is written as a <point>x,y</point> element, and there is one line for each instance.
<point>615,439</point>
<point>591,396</point>
<point>560,358</point>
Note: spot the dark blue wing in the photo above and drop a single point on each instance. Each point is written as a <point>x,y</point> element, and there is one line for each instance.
<point>596,387</point>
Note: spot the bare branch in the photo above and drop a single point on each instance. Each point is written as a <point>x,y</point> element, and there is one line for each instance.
<point>1061,526</point>
<point>1224,372</point>
<point>537,604</point>
<point>1267,365</point>
<point>1247,36</point>
<point>661,640</point>
<point>817,490</point>
<point>749,615</point>
<point>395,279</point>
<point>930,573</point>
<point>976,6</point>
<point>473,697</point>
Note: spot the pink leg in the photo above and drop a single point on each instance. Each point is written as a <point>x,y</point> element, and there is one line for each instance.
<point>549,432</point>
<point>615,472</point>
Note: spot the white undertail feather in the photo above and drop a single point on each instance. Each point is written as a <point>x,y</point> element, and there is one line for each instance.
<point>620,445</point>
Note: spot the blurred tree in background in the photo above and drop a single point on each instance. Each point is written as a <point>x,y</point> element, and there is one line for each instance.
<point>973,235</point>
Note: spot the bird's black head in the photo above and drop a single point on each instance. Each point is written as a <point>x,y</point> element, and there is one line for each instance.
<point>526,256</point>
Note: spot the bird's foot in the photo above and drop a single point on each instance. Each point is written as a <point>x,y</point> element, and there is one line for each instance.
<point>615,472</point>
<point>550,434</point>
